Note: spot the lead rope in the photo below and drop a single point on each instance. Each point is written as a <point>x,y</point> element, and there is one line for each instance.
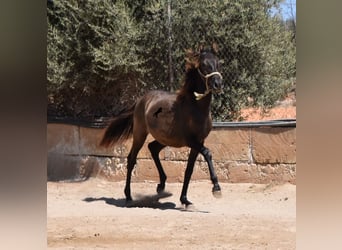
<point>199,96</point>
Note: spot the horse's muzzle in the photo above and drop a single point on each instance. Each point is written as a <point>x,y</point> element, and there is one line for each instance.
<point>217,86</point>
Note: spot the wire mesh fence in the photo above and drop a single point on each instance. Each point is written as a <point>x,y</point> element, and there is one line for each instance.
<point>256,52</point>
<point>104,55</point>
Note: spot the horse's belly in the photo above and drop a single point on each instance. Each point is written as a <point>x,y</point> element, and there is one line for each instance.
<point>163,129</point>
<point>169,141</point>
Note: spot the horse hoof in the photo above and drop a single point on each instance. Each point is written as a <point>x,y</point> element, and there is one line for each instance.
<point>190,208</point>
<point>217,194</point>
<point>185,202</point>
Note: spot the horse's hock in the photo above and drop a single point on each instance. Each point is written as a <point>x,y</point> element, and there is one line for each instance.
<point>254,153</point>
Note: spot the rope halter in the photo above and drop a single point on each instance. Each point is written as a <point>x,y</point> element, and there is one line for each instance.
<point>199,96</point>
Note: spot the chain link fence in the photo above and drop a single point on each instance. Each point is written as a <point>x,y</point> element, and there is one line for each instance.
<point>255,50</point>
<point>103,56</point>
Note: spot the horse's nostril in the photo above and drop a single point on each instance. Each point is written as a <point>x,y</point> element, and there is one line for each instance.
<point>216,85</point>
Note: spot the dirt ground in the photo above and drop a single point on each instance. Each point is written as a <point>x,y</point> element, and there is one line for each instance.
<point>284,109</point>
<point>92,215</point>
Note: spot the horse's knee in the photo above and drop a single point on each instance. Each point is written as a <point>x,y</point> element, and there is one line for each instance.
<point>206,153</point>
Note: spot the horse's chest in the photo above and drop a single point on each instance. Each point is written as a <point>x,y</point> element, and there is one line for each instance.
<point>199,126</point>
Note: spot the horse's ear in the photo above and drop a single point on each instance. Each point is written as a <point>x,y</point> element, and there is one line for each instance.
<point>214,47</point>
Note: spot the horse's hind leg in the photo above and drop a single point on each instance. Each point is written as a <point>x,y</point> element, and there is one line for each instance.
<point>155,147</point>
<point>138,142</point>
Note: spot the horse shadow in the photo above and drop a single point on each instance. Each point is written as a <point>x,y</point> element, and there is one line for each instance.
<point>144,201</point>
<point>136,203</point>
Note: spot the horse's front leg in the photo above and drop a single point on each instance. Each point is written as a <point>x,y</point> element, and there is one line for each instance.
<point>207,156</point>
<point>188,172</point>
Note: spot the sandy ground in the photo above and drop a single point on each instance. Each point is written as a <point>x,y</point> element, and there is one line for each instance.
<point>93,215</point>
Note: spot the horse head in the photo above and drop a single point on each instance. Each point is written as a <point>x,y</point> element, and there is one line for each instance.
<point>206,63</point>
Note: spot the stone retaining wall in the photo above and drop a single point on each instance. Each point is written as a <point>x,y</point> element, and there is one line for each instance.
<point>254,155</point>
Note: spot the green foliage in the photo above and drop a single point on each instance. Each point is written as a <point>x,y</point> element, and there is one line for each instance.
<point>258,58</point>
<point>104,54</point>
<point>91,57</point>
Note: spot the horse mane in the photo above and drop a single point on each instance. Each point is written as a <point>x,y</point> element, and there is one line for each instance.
<point>191,64</point>
<point>191,59</point>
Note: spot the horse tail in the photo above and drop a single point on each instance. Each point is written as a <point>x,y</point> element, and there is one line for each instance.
<point>120,128</point>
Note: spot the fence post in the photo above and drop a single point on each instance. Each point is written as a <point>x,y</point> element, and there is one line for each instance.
<point>170,68</point>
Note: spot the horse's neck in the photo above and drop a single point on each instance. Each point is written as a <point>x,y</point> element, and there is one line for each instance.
<point>205,103</point>
<point>192,81</point>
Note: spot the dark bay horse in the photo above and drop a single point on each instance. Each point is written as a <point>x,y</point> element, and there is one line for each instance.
<point>173,119</point>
